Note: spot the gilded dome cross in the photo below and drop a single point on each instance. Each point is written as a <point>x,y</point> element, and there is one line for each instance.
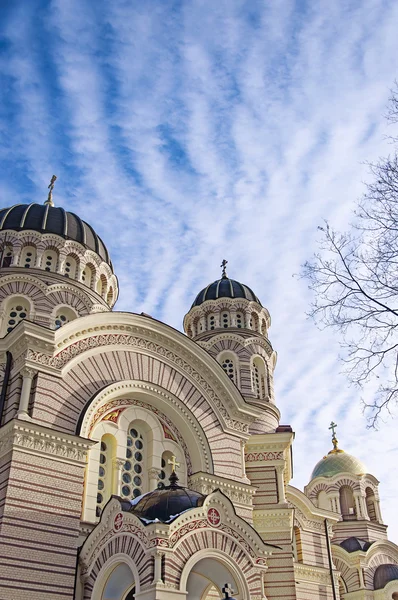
<point>174,464</point>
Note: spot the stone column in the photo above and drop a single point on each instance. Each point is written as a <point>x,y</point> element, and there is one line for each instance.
<point>153,477</point>
<point>27,378</point>
<point>157,575</point>
<point>118,464</point>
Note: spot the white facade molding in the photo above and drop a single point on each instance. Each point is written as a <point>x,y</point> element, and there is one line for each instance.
<point>31,438</point>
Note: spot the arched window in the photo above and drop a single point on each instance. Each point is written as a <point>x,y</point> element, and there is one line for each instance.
<point>322,500</point>
<point>88,275</point>
<point>371,504</point>
<point>28,257</point>
<point>102,285</point>
<point>50,261</point>
<point>105,472</point>
<point>239,320</point>
<point>6,256</point>
<point>259,378</point>
<point>224,320</point>
<point>347,503</point>
<point>109,296</point>
<point>133,472</point>
<point>70,269</point>
<point>165,471</point>
<point>263,327</point>
<point>228,363</point>
<point>64,315</point>
<point>17,310</point>
<point>212,321</point>
<point>297,545</point>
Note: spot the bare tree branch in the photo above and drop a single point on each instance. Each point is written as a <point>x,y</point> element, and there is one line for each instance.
<point>354,278</point>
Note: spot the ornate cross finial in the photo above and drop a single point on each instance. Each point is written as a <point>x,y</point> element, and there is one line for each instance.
<point>174,464</point>
<point>334,438</point>
<point>333,427</point>
<point>224,269</point>
<point>227,591</point>
<point>49,200</point>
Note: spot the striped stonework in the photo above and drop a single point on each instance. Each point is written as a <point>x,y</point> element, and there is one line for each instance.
<point>40,512</point>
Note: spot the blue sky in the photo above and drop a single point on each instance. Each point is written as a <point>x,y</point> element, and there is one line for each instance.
<point>188,132</point>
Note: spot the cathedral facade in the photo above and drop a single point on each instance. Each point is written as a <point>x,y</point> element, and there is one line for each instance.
<point>140,462</point>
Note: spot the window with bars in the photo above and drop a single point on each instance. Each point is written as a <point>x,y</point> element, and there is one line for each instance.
<point>17,310</point>
<point>28,257</point>
<point>105,472</point>
<point>64,315</point>
<point>258,378</point>
<point>228,363</point>
<point>133,468</point>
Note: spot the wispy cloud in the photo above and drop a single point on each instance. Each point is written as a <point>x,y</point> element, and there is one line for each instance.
<point>189,132</point>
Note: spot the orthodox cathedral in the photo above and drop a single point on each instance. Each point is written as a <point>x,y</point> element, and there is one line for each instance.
<point>140,462</point>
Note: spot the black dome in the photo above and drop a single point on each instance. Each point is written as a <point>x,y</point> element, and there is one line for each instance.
<point>383,575</point>
<point>167,502</point>
<point>225,288</point>
<point>49,219</point>
<point>353,544</point>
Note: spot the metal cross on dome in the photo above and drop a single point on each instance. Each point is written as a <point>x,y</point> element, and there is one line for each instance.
<point>228,591</point>
<point>174,464</point>
<point>224,268</point>
<point>49,200</point>
<point>333,427</point>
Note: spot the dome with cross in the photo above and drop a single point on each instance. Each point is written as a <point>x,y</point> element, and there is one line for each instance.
<point>225,288</point>
<point>166,502</point>
<point>337,461</point>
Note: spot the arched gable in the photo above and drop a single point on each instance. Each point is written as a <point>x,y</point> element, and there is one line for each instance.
<point>226,538</point>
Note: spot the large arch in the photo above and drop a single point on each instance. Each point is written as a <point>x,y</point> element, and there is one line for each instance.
<point>113,578</point>
<point>166,406</point>
<point>215,568</point>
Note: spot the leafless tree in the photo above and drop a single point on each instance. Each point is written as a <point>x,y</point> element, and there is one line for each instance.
<point>355,279</point>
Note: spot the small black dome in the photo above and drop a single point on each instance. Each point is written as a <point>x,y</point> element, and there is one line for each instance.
<point>353,544</point>
<point>383,575</point>
<point>225,288</point>
<point>166,503</point>
<point>49,219</point>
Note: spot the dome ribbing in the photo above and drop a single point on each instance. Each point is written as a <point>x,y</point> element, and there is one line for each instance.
<point>45,218</point>
<point>225,288</point>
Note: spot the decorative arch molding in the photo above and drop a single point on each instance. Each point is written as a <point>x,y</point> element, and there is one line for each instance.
<point>349,573</point>
<point>65,287</point>
<point>244,342</point>
<point>180,420</point>
<point>80,339</point>
<point>308,515</point>
<point>20,280</point>
<point>336,482</point>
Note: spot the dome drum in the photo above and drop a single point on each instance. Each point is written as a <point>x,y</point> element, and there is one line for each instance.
<point>244,316</point>
<point>33,251</point>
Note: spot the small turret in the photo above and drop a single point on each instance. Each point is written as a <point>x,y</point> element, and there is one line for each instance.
<point>341,483</point>
<point>229,321</point>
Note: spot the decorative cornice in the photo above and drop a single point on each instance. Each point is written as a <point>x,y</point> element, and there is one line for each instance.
<point>251,457</point>
<point>273,520</point>
<point>314,574</point>
<point>41,441</point>
<point>239,493</point>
